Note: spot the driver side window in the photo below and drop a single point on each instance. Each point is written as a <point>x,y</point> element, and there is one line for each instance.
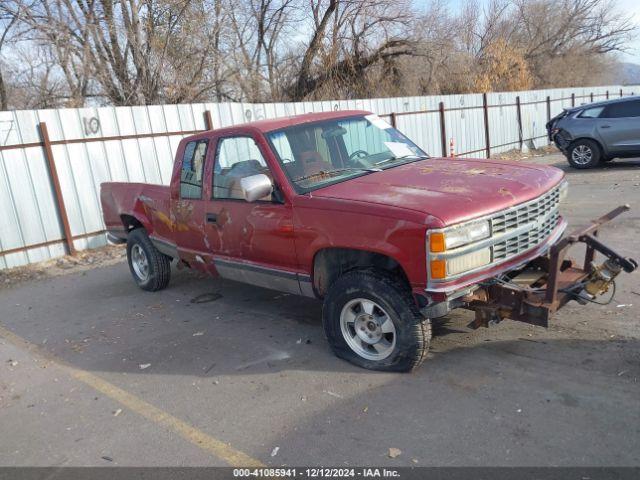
<point>192,168</point>
<point>237,158</point>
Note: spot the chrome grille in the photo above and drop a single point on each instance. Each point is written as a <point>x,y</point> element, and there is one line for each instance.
<point>528,212</point>
<point>527,240</point>
<point>544,207</point>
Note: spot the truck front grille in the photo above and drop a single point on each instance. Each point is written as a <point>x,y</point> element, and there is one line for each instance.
<point>543,210</point>
<point>525,241</point>
<point>523,214</point>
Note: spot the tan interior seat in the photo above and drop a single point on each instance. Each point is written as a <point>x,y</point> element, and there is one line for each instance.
<point>312,163</point>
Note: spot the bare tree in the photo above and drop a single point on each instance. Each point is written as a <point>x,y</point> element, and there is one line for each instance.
<point>131,51</point>
<point>122,52</point>
<point>348,39</point>
<point>8,20</point>
<point>258,27</point>
<point>569,29</point>
<point>510,44</point>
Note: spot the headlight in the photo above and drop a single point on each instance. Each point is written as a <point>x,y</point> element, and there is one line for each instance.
<point>459,236</point>
<point>468,261</point>
<point>564,190</point>
<point>442,268</point>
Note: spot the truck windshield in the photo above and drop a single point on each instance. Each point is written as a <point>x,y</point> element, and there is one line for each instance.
<point>322,153</point>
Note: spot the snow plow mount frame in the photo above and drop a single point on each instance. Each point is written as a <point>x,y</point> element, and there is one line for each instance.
<point>554,280</point>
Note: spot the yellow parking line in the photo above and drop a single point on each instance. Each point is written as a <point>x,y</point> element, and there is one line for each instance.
<point>190,433</point>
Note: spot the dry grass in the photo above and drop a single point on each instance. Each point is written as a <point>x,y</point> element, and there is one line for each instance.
<point>82,261</point>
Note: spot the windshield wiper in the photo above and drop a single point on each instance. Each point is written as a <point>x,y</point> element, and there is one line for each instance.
<point>338,170</point>
<point>394,158</point>
<point>357,169</point>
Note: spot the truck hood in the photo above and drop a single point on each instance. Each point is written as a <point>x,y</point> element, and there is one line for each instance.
<point>453,190</point>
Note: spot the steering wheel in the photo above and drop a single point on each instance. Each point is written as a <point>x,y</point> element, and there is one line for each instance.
<point>358,154</point>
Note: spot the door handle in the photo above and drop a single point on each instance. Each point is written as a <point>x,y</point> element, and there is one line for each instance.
<point>212,218</point>
<point>605,126</point>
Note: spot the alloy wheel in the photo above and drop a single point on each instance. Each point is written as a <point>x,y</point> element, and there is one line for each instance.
<point>368,329</point>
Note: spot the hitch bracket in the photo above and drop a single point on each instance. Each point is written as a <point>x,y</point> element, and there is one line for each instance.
<point>555,280</point>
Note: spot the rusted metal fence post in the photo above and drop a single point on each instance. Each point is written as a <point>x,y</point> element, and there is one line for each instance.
<point>548,108</point>
<point>393,119</point>
<point>621,92</point>
<point>591,97</point>
<point>607,94</point>
<point>443,130</point>
<point>519,113</point>
<point>485,109</point>
<point>208,121</point>
<point>548,115</point>
<point>573,99</point>
<point>55,182</point>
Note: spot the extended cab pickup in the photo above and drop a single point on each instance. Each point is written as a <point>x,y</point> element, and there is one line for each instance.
<point>343,207</point>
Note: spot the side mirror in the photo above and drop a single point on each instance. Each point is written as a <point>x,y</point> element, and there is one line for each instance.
<point>256,187</point>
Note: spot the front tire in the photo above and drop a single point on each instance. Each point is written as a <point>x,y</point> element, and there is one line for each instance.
<point>151,269</point>
<point>584,154</point>
<point>371,320</point>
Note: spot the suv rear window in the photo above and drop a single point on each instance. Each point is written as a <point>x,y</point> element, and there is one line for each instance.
<point>622,110</point>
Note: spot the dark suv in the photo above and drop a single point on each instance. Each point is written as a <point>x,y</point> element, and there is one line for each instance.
<point>598,132</point>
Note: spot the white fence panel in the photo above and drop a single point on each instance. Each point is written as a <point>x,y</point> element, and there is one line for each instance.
<point>137,144</point>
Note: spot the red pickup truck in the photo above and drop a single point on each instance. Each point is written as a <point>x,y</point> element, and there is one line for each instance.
<point>343,207</point>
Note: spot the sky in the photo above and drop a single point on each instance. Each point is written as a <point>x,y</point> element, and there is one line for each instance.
<point>632,7</point>
<point>629,7</point>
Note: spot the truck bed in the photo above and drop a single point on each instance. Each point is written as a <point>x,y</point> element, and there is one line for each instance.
<point>130,204</point>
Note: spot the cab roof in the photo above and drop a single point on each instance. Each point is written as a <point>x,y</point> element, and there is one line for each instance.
<point>272,124</point>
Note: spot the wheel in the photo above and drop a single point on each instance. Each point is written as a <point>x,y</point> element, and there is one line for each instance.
<point>150,268</point>
<point>371,320</point>
<point>584,154</point>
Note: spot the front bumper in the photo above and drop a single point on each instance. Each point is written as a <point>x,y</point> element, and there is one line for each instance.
<point>532,293</point>
<point>562,139</point>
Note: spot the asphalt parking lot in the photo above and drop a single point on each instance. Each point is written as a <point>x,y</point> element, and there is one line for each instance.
<point>95,372</point>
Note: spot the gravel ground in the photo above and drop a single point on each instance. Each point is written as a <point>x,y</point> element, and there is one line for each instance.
<point>110,375</point>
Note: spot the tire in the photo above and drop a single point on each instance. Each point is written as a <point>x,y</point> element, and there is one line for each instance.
<point>348,309</point>
<point>140,252</point>
<point>584,153</point>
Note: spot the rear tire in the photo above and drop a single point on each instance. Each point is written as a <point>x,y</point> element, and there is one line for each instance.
<point>151,269</point>
<point>584,153</point>
<point>371,320</point>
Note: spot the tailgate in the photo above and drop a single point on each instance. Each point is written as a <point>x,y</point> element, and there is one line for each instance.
<point>141,203</point>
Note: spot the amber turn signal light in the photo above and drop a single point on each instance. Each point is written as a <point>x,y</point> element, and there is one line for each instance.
<point>436,242</point>
<point>438,269</point>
